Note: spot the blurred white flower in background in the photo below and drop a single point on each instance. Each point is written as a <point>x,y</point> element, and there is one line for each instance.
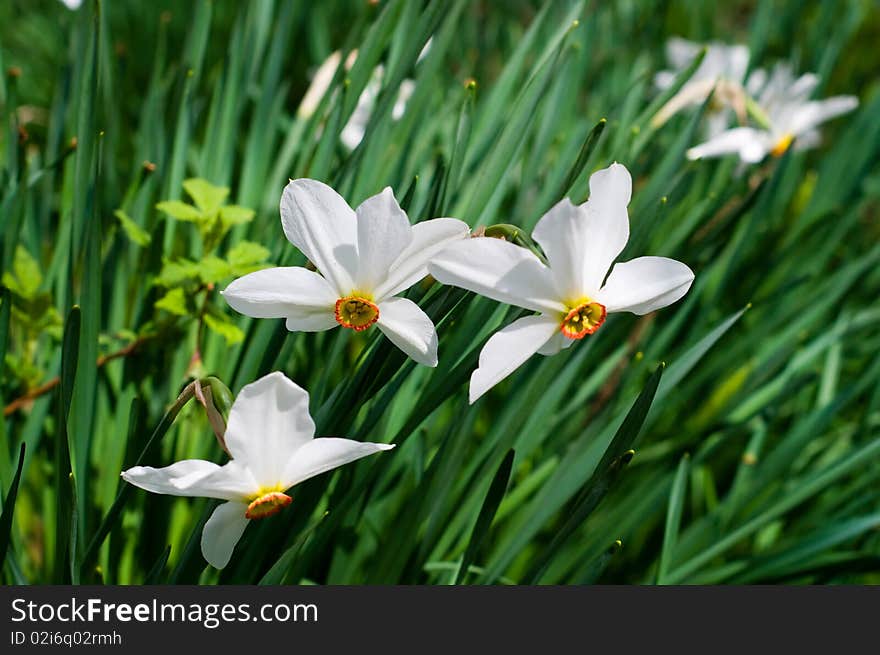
<point>71,4</point>
<point>723,69</point>
<point>271,437</point>
<point>355,128</point>
<point>786,115</point>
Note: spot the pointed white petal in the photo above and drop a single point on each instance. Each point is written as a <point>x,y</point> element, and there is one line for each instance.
<point>383,233</point>
<point>664,79</point>
<point>750,144</point>
<point>268,422</point>
<point>814,113</point>
<point>756,81</point>
<point>429,238</point>
<point>356,127</point>
<point>320,223</point>
<point>222,532</point>
<point>311,321</point>
<point>608,231</point>
<point>802,88</point>
<point>681,52</point>
<point>644,284</point>
<point>409,328</point>
<point>563,233</point>
<point>407,87</point>
<point>280,292</point>
<point>507,349</point>
<point>326,453</point>
<point>319,86</point>
<point>194,478</point>
<point>498,270</point>
<point>556,343</point>
<point>737,62</point>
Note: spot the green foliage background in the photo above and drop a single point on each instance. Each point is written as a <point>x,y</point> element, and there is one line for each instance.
<point>758,458</point>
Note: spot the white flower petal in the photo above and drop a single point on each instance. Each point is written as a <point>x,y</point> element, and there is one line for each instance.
<point>681,52</point>
<point>429,238</point>
<point>409,328</point>
<point>269,421</point>
<point>320,223</point>
<point>811,114</point>
<point>563,233</point>
<point>311,321</point>
<point>194,478</point>
<point>319,86</point>
<point>280,292</point>
<point>556,343</point>
<point>802,88</point>
<point>404,93</point>
<point>608,231</point>
<point>498,270</point>
<point>356,127</point>
<point>750,144</point>
<point>383,233</point>
<point>644,284</point>
<point>507,349</point>
<point>222,531</point>
<point>326,453</point>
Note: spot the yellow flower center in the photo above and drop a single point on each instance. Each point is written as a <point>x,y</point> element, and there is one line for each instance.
<point>267,504</point>
<point>584,318</point>
<point>782,145</point>
<point>356,312</point>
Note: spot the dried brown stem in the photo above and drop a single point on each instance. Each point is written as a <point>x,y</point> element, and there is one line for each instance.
<point>45,388</point>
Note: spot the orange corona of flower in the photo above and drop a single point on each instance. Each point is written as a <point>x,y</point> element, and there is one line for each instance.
<point>356,313</point>
<point>584,319</point>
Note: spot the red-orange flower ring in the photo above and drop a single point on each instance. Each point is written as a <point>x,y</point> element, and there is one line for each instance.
<point>356,313</point>
<point>584,319</point>
<point>267,505</point>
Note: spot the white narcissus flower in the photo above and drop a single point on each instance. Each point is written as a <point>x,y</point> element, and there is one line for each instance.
<point>270,436</point>
<point>790,117</point>
<point>581,243</point>
<point>723,70</point>
<point>365,257</point>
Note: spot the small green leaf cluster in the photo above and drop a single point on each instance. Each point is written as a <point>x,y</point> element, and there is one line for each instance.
<point>187,282</point>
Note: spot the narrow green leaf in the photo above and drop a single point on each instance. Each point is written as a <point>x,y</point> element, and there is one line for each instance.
<point>616,457</point>
<point>580,163</point>
<point>487,512</point>
<point>154,576</point>
<point>63,469</point>
<point>9,507</point>
<point>673,517</point>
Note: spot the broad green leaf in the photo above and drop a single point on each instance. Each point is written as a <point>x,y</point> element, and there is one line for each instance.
<point>207,197</point>
<point>213,269</point>
<point>133,231</point>
<point>174,301</point>
<point>25,278</point>
<point>177,272</point>
<point>224,328</point>
<point>181,211</point>
<point>247,252</point>
<point>234,215</point>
